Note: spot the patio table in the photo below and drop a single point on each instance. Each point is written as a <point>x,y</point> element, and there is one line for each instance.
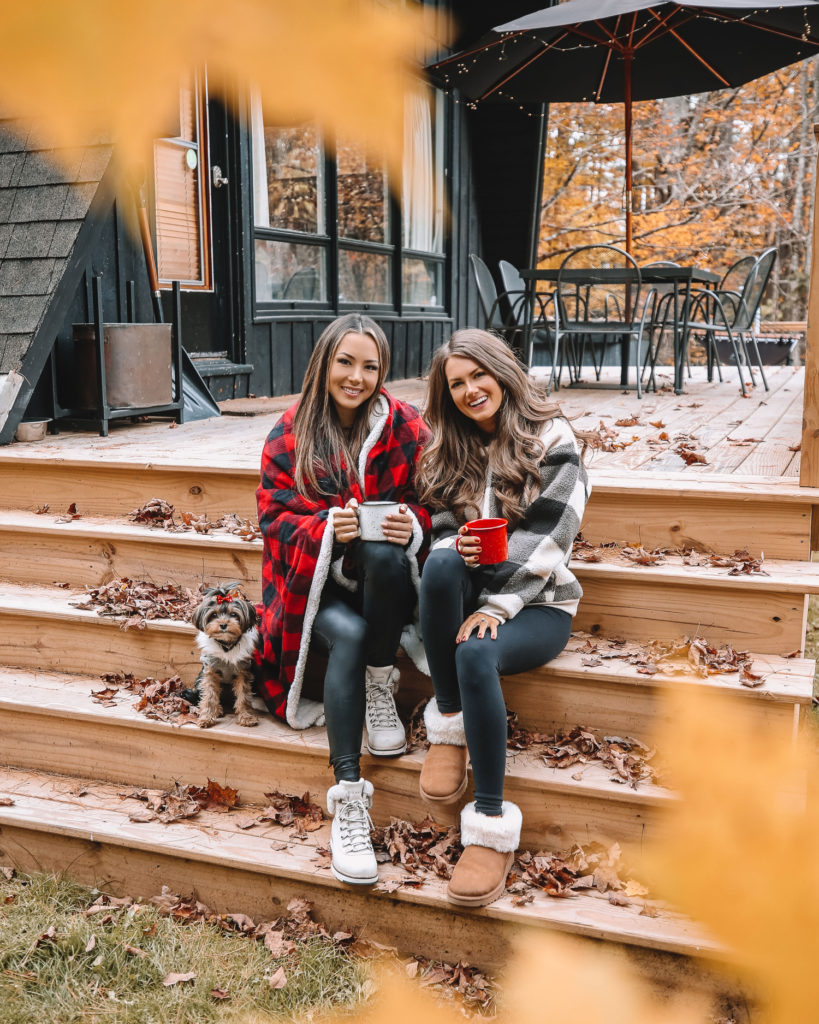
<point>682,279</point>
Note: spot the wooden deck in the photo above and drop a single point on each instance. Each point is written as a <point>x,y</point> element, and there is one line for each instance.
<point>757,436</point>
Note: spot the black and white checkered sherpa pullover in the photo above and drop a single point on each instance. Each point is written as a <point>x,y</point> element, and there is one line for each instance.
<point>540,546</point>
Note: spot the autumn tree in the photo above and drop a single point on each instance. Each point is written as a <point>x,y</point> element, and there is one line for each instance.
<point>716,176</point>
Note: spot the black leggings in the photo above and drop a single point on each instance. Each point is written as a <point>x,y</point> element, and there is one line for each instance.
<point>466,676</point>
<point>355,630</point>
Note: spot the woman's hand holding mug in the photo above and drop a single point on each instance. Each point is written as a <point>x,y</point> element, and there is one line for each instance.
<point>345,522</point>
<point>397,526</point>
<point>468,546</point>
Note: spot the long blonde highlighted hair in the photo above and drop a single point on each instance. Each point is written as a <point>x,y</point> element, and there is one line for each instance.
<point>452,469</point>
<point>321,445</point>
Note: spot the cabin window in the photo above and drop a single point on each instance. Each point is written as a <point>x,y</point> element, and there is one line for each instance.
<point>181,216</point>
<point>328,228</point>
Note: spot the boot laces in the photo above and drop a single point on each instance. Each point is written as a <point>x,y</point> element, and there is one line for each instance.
<point>381,706</point>
<point>354,826</point>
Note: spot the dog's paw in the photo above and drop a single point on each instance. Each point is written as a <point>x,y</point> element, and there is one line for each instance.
<point>247,719</point>
<point>206,721</point>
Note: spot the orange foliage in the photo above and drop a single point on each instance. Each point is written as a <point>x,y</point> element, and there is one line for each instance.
<point>91,66</point>
<point>716,176</point>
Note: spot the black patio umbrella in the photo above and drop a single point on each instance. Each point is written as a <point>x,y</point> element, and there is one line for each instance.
<point>609,51</point>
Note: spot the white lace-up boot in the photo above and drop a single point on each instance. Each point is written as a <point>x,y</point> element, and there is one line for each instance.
<point>353,856</point>
<point>386,736</point>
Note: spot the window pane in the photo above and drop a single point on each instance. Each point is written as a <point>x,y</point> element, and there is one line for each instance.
<point>363,196</point>
<point>422,195</point>
<point>363,277</point>
<point>290,271</point>
<point>288,169</point>
<point>422,282</point>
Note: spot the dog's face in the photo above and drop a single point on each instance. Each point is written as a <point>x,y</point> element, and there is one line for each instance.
<point>224,616</point>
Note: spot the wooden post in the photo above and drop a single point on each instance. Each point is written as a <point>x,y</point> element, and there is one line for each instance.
<point>809,472</point>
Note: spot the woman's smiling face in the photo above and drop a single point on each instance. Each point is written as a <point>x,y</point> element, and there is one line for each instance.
<point>475,392</point>
<point>353,375</point>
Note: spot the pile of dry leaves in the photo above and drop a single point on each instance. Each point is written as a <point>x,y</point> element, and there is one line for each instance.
<point>159,699</point>
<point>180,802</point>
<point>626,758</point>
<point>159,513</point>
<point>593,867</point>
<point>685,656</point>
<point>137,601</point>
<point>422,847</point>
<point>740,563</point>
<point>288,811</point>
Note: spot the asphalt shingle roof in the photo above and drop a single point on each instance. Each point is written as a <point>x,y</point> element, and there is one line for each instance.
<point>44,197</point>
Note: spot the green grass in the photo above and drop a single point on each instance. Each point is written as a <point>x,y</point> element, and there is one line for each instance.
<point>57,981</point>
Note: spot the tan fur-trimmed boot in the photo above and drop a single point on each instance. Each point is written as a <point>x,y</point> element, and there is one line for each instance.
<point>489,852</point>
<point>443,775</point>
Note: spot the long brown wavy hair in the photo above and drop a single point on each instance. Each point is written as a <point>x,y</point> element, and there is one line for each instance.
<point>452,469</point>
<point>320,442</point>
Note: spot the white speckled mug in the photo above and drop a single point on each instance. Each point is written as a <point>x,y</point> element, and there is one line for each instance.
<point>371,515</point>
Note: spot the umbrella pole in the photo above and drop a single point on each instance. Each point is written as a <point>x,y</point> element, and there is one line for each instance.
<point>628,58</point>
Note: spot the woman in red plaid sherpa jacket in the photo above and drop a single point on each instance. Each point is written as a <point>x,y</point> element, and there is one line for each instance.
<point>323,588</point>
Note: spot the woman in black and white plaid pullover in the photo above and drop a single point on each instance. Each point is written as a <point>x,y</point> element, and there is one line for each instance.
<point>498,449</point>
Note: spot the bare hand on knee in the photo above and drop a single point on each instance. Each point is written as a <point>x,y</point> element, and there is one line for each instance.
<point>480,622</point>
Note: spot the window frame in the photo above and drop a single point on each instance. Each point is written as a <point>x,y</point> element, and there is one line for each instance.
<point>333,244</point>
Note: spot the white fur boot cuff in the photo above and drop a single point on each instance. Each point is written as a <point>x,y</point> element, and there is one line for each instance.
<point>501,834</point>
<point>444,728</point>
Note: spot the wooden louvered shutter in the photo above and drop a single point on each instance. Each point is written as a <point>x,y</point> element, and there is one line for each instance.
<point>180,202</point>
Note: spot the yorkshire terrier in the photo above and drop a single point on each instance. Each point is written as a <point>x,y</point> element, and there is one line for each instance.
<point>227,639</point>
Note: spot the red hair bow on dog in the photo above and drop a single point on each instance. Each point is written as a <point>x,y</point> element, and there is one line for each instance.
<point>221,599</point>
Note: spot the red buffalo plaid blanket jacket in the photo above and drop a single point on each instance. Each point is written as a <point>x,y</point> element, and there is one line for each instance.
<point>298,544</point>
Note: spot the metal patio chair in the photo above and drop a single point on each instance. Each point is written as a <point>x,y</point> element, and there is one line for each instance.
<point>541,328</point>
<point>598,304</point>
<point>729,312</point>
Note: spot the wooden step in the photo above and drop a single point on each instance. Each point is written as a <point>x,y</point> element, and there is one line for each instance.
<point>762,611</point>
<point>65,824</point>
<point>719,513</point>
<point>40,630</point>
<point>711,513</point>
<point>116,487</point>
<point>611,696</point>
<point>50,722</point>
<point>90,551</point>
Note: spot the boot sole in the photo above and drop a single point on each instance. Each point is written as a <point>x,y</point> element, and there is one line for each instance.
<point>387,753</point>
<point>353,881</point>
<point>445,800</point>
<point>485,898</point>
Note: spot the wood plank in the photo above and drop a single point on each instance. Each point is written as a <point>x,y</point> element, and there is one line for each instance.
<point>809,472</point>
<point>243,873</point>
<point>88,552</point>
<point>770,623</point>
<point>68,733</point>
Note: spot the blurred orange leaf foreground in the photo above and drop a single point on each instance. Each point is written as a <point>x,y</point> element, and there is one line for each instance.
<point>740,855</point>
<point>95,66</point>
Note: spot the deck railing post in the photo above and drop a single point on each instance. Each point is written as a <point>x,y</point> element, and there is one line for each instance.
<point>809,470</point>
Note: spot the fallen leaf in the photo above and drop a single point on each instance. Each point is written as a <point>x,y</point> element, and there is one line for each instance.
<point>91,944</point>
<point>631,421</point>
<point>136,951</point>
<point>279,979</point>
<point>657,423</point>
<point>6,801</point>
<point>176,979</point>
<point>69,515</point>
<point>219,993</point>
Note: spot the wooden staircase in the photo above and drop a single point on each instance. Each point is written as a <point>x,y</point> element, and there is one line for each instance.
<point>67,758</point>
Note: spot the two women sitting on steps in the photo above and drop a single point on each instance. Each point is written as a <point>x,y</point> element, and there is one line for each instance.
<point>496,448</point>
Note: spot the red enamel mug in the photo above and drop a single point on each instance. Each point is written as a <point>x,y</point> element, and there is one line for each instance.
<point>492,534</point>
